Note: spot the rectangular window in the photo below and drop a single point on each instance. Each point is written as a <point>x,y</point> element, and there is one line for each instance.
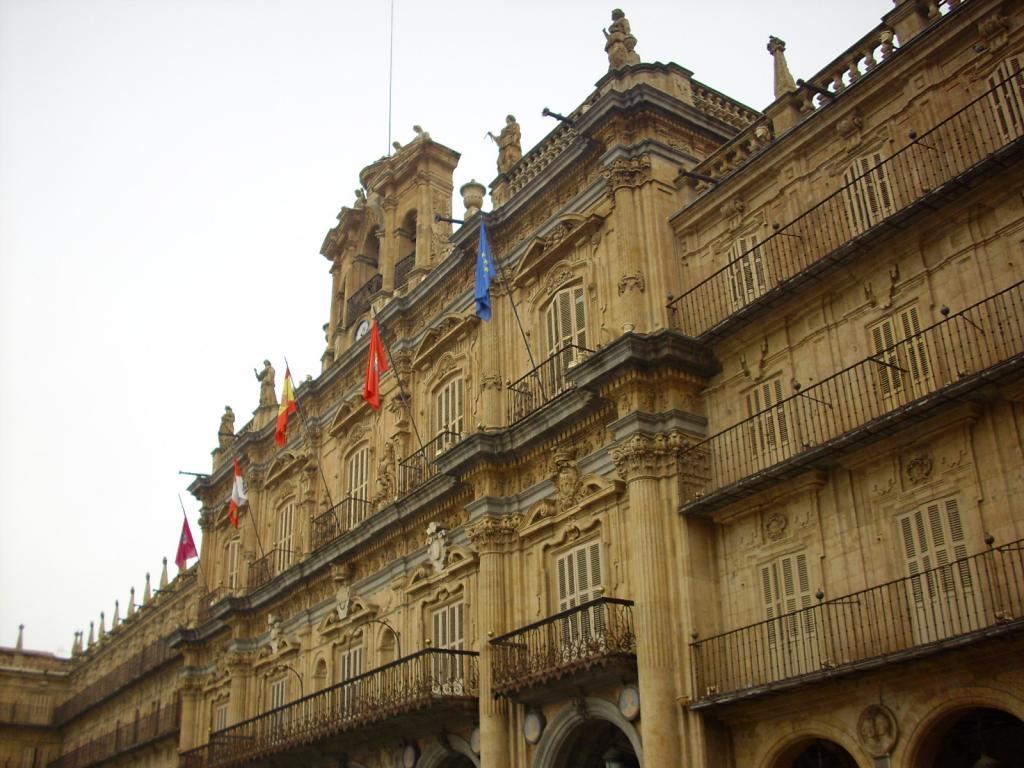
<point>1006,95</point>
<point>449,413</point>
<point>231,579</point>
<point>903,366</point>
<point>220,716</point>
<point>283,543</point>
<point>566,322</point>
<point>447,624</point>
<point>580,581</point>
<point>350,665</point>
<point>768,426</point>
<point>747,271</point>
<point>933,537</point>
<point>358,479</point>
<point>869,199</point>
<point>785,589</point>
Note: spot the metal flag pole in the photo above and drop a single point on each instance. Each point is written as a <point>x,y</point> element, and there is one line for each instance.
<point>316,453</point>
<point>199,560</point>
<point>507,284</point>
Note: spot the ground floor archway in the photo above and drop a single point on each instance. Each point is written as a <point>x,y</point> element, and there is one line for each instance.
<point>971,738</point>
<point>597,744</point>
<point>816,753</point>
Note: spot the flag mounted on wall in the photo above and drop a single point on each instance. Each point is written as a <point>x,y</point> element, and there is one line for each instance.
<point>287,407</point>
<point>484,275</point>
<point>238,494</point>
<point>376,364</point>
<point>186,546</point>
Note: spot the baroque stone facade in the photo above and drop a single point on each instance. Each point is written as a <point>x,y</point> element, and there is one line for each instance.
<point>772,522</point>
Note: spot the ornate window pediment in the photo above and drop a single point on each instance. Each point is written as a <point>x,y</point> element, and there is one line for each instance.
<point>441,336</point>
<point>558,243</point>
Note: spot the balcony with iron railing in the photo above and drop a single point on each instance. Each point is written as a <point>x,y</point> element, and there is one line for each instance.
<point>274,562</point>
<point>25,713</point>
<point>359,301</point>
<point>543,383</point>
<point>967,601</point>
<point>413,694</point>
<point>341,518</point>
<point>589,643</point>
<point>934,167</point>
<point>126,737</point>
<point>414,470</point>
<point>210,599</point>
<point>864,402</point>
<point>148,659</point>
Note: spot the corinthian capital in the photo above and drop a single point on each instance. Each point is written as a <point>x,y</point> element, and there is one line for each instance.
<point>651,456</point>
<point>493,534</point>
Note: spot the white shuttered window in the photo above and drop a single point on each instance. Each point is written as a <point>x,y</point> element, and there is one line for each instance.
<point>868,194</point>
<point>231,574</point>
<point>449,634</point>
<point>449,412</point>
<point>580,579</point>
<point>566,321</point>
<point>747,270</point>
<point>933,536</point>
<point>285,537</point>
<point>785,588</point>
<point>769,431</point>
<point>903,364</point>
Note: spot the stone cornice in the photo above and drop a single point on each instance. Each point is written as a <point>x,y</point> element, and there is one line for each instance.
<point>658,352</point>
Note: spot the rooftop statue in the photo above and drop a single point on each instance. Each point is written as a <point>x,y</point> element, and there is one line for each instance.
<point>619,42</point>
<point>266,380</point>
<point>510,151</point>
<point>227,427</point>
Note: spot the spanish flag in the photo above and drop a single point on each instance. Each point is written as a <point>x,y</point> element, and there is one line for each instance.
<point>375,366</point>
<point>287,407</point>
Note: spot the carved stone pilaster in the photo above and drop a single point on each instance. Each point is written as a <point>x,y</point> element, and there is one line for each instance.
<point>494,534</point>
<point>627,172</point>
<point>653,456</point>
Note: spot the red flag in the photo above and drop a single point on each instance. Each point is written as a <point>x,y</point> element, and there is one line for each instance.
<point>287,407</point>
<point>238,494</point>
<point>375,366</point>
<point>186,546</point>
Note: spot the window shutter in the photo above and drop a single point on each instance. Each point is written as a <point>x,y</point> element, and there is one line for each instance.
<point>566,321</point>
<point>232,564</point>
<point>770,595</point>
<point>869,197</point>
<point>579,577</point>
<point>1006,95</point>
<point>917,353</point>
<point>934,537</point>
<point>285,526</point>
<point>882,339</point>
<point>785,589</point>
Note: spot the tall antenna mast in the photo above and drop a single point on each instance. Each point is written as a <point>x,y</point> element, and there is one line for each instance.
<point>391,69</point>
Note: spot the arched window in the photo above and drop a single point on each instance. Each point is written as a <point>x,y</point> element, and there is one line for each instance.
<point>566,323</point>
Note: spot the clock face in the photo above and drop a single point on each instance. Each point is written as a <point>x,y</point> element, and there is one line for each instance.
<point>362,329</point>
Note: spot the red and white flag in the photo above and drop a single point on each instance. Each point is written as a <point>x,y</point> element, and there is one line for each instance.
<point>375,366</point>
<point>186,546</point>
<point>238,494</point>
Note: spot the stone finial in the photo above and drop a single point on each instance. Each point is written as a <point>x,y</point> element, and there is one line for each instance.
<point>619,42</point>
<point>131,602</point>
<point>92,638</point>
<point>103,627</point>
<point>117,615</point>
<point>163,576</point>
<point>147,593</point>
<point>472,196</point>
<point>21,637</point>
<point>784,82</point>
<point>76,646</point>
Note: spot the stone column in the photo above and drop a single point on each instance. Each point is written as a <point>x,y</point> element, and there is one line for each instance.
<point>492,537</point>
<point>239,669</point>
<point>642,461</point>
<point>190,701</point>
<point>387,252</point>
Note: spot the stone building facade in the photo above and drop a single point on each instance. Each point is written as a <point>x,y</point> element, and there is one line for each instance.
<point>728,479</point>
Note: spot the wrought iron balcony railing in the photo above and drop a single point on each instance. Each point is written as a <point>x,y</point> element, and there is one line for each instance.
<point>868,397</point>
<point>967,600</point>
<point>542,384</point>
<point>931,165</point>
<point>209,600</point>
<point>598,633</point>
<point>342,517</point>
<point>149,658</point>
<point>429,679</point>
<point>416,469</point>
<point>25,713</point>
<point>274,562</point>
<point>160,724</point>
<point>359,301</point>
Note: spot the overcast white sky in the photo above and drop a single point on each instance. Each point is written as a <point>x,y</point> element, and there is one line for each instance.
<point>168,170</point>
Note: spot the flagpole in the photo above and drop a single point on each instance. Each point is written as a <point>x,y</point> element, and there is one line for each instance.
<point>515,309</point>
<point>316,454</point>
<point>405,397</point>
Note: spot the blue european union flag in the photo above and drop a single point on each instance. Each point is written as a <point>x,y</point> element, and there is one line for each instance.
<point>484,276</point>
